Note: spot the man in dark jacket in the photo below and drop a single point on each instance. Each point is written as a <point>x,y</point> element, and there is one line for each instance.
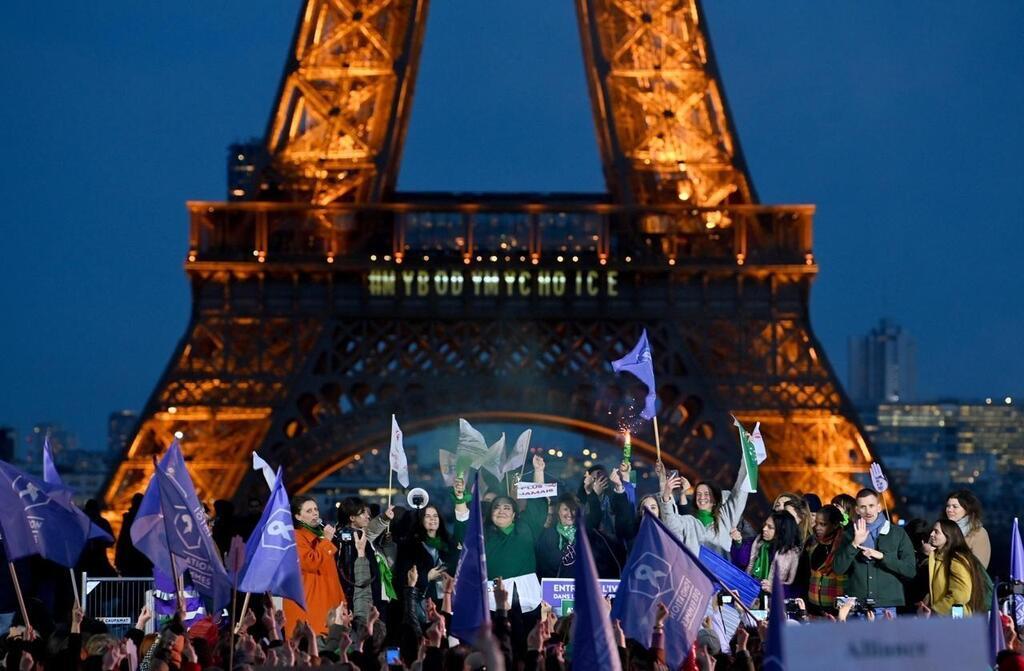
<point>876,557</point>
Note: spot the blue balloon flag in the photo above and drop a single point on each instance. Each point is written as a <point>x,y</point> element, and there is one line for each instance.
<point>38,518</point>
<point>639,362</point>
<point>726,573</point>
<point>661,570</point>
<point>470,609</point>
<point>271,560</point>
<point>774,652</point>
<point>593,642</point>
<point>171,520</point>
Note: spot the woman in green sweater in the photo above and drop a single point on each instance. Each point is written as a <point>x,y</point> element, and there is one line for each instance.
<point>510,538</point>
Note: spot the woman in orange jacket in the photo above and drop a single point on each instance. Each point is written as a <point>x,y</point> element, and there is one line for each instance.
<point>316,561</point>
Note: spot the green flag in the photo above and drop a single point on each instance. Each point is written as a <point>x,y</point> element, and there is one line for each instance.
<point>749,455</point>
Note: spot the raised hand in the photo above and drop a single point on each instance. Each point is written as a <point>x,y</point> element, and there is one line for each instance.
<point>458,488</point>
<point>329,530</point>
<point>600,484</point>
<point>412,576</point>
<point>735,535</point>
<point>860,532</point>
<point>742,636</point>
<point>500,595</point>
<point>844,610</point>
<point>435,573</point>
<point>389,513</point>
<point>359,539</point>
<point>660,614</point>
<point>616,479</point>
<point>538,463</point>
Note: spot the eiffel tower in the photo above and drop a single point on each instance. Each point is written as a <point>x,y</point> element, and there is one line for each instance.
<point>323,300</point>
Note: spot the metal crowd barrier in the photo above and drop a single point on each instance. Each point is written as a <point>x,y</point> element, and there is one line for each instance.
<point>117,601</point>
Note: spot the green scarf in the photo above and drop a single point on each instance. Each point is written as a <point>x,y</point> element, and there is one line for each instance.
<point>706,517</point>
<point>386,576</point>
<point>316,531</point>
<point>566,534</point>
<point>507,530</point>
<point>434,542</point>
<point>762,562</point>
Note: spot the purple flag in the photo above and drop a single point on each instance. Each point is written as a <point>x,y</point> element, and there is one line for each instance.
<point>50,474</point>
<point>593,642</point>
<point>1016,554</point>
<point>271,560</point>
<point>39,519</point>
<point>661,570</point>
<point>774,654</point>
<point>172,520</point>
<point>640,363</point>
<point>470,610</point>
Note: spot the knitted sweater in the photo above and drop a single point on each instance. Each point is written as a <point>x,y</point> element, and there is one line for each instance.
<point>692,532</point>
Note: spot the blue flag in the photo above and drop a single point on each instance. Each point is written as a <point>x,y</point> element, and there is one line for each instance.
<point>774,654</point>
<point>470,610</point>
<point>1017,572</point>
<point>593,642</point>
<point>271,560</point>
<point>640,363</point>
<point>50,474</point>
<point>52,477</point>
<point>660,570</point>
<point>172,520</point>
<point>37,518</point>
<point>727,574</point>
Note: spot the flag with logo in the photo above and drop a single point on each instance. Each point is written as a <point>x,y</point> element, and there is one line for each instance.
<point>640,363</point>
<point>52,478</point>
<point>593,642</point>
<point>749,455</point>
<point>172,520</point>
<point>758,440</point>
<point>399,464</point>
<point>271,559</point>
<point>470,603</point>
<point>37,518</point>
<point>661,570</point>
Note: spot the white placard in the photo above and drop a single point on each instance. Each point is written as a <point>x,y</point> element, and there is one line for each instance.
<point>536,490</point>
<point>897,645</point>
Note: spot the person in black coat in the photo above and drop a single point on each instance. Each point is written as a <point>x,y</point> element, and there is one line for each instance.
<point>556,546</point>
<point>429,548</point>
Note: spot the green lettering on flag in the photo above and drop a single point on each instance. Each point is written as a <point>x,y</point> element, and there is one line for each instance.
<point>749,455</point>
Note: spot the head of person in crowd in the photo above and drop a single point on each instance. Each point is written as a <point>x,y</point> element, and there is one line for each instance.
<point>305,510</point>
<point>354,513</point>
<point>429,523</point>
<point>950,546</point>
<point>813,502</point>
<point>781,531</point>
<point>869,505</point>
<point>782,499</point>
<point>801,515</point>
<point>707,498</point>
<point>504,512</point>
<point>566,508</point>
<point>828,522</point>
<point>964,508</point>
<point>650,504</point>
<point>847,504</point>
<point>597,475</point>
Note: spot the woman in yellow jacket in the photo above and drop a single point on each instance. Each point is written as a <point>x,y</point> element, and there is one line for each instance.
<point>954,572</point>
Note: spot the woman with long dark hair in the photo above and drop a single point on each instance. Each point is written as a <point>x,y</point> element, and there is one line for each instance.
<point>964,508</point>
<point>824,584</point>
<point>429,547</point>
<point>777,551</point>
<point>956,575</point>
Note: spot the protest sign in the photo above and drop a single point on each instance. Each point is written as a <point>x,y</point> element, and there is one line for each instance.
<point>536,490</point>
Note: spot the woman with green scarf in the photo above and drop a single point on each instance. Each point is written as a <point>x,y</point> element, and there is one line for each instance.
<point>777,550</point>
<point>556,547</point>
<point>431,550</point>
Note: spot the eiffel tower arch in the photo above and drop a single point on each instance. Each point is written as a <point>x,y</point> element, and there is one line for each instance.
<point>323,300</point>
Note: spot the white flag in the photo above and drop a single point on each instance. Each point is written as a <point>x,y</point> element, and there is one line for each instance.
<point>758,440</point>
<point>495,453</point>
<point>472,447</point>
<point>517,457</point>
<point>398,462</point>
<point>258,464</point>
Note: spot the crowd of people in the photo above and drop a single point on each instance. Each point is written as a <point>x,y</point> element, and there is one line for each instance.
<point>379,584</point>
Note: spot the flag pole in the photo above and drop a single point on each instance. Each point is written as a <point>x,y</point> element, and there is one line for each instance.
<point>245,607</point>
<point>391,473</point>
<point>17,592</point>
<point>657,437</point>
<point>74,586</point>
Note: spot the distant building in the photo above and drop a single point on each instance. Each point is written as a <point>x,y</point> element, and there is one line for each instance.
<point>930,449</point>
<point>120,430</point>
<point>8,443</point>
<point>61,440</point>
<point>882,366</point>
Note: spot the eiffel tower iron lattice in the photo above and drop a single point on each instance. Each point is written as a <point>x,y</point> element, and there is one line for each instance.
<point>323,301</point>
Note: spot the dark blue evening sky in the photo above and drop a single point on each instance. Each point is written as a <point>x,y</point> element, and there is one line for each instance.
<point>901,121</point>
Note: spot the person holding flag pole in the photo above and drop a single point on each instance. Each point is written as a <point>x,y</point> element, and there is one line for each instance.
<point>639,363</point>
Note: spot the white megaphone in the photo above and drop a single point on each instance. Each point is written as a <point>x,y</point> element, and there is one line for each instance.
<point>418,497</point>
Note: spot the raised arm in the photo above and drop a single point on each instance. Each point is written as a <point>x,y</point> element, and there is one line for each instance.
<point>735,501</point>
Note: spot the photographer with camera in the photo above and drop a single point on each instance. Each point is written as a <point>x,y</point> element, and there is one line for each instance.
<point>876,557</point>
<point>354,520</point>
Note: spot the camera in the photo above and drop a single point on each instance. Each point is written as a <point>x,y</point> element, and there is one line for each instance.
<point>794,610</point>
<point>863,608</point>
<point>725,599</point>
<point>345,536</point>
